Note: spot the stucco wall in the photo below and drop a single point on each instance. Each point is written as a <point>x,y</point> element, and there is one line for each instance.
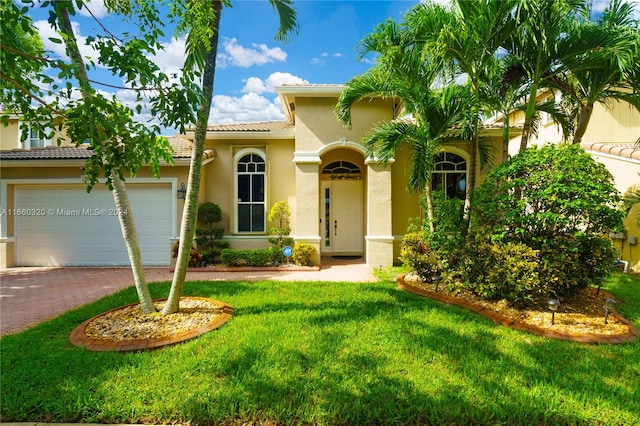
<point>10,136</point>
<point>218,185</point>
<point>316,124</point>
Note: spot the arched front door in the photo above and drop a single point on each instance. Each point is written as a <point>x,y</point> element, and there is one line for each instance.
<point>342,210</point>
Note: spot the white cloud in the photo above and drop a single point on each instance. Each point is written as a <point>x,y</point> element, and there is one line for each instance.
<point>317,61</point>
<point>46,32</point>
<point>247,108</point>
<point>259,86</point>
<point>236,55</point>
<point>338,55</point>
<point>171,59</point>
<point>97,8</point>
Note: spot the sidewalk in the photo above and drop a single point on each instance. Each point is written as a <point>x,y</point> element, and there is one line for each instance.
<point>31,295</point>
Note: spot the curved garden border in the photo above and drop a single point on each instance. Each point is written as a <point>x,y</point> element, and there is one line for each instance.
<point>79,338</point>
<point>503,320</point>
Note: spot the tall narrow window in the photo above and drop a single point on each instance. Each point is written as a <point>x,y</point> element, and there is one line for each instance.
<point>251,171</point>
<point>450,175</point>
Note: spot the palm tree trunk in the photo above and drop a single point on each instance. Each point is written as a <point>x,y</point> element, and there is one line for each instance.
<point>119,192</point>
<point>505,137</point>
<point>528,117</point>
<point>583,122</point>
<point>130,234</point>
<point>473,166</point>
<point>190,211</point>
<point>429,197</point>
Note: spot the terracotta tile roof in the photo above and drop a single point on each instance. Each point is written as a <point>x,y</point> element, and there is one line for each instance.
<point>263,126</point>
<point>624,150</point>
<point>181,147</point>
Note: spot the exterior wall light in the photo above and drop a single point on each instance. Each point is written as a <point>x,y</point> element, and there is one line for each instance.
<point>553,307</point>
<point>181,192</point>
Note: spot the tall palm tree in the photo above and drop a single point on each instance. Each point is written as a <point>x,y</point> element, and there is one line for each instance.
<point>552,38</point>
<point>401,73</point>
<point>201,19</point>
<point>465,39</point>
<point>613,68</point>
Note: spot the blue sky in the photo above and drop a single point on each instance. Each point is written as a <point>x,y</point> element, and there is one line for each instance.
<point>251,63</point>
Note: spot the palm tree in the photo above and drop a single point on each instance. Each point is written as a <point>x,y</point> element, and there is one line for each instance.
<point>613,68</point>
<point>401,73</point>
<point>554,38</point>
<point>466,40</point>
<point>202,20</point>
<point>505,91</point>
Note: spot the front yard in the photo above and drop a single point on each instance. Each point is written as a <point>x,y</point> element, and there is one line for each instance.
<point>326,353</point>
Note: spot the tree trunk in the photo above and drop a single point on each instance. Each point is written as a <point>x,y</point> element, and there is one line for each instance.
<point>429,197</point>
<point>130,234</point>
<point>190,211</point>
<point>528,117</point>
<point>583,122</point>
<point>505,137</point>
<point>473,166</point>
<point>119,192</point>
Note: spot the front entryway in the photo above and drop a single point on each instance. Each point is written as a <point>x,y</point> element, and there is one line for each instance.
<point>342,217</point>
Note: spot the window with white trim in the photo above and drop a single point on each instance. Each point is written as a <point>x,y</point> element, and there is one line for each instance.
<point>250,179</point>
<point>34,138</point>
<point>450,175</point>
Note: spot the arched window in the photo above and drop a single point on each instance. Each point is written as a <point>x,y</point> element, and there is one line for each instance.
<point>341,170</point>
<point>450,175</point>
<point>250,191</point>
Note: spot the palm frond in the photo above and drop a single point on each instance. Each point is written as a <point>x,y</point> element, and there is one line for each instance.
<point>288,19</point>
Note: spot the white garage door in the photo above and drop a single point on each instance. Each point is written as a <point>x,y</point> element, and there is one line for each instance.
<point>65,226</point>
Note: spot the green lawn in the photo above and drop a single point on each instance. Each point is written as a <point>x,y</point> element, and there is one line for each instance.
<point>326,353</point>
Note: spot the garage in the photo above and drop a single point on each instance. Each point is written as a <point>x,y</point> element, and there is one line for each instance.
<point>62,225</point>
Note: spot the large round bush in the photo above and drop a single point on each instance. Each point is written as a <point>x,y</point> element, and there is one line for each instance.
<point>558,201</point>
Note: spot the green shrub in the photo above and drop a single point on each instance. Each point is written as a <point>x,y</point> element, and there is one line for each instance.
<point>416,254</point>
<point>254,257</point>
<point>569,263</point>
<point>508,271</point>
<point>302,254</point>
<point>555,200</point>
<point>209,238</point>
<point>447,238</point>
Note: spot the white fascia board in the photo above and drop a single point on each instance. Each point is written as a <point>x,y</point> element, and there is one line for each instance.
<point>311,91</point>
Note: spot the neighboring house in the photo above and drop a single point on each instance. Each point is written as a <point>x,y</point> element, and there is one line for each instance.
<point>342,201</point>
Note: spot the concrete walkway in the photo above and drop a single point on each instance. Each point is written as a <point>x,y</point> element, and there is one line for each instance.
<point>29,296</point>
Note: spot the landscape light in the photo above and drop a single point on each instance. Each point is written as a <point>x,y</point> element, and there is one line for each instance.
<point>609,305</point>
<point>553,307</point>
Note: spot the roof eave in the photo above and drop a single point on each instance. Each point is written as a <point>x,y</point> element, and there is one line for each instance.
<point>280,134</point>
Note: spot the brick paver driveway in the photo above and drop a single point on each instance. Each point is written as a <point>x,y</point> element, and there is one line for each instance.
<point>31,295</point>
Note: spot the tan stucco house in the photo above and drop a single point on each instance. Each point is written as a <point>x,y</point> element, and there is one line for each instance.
<point>342,202</point>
